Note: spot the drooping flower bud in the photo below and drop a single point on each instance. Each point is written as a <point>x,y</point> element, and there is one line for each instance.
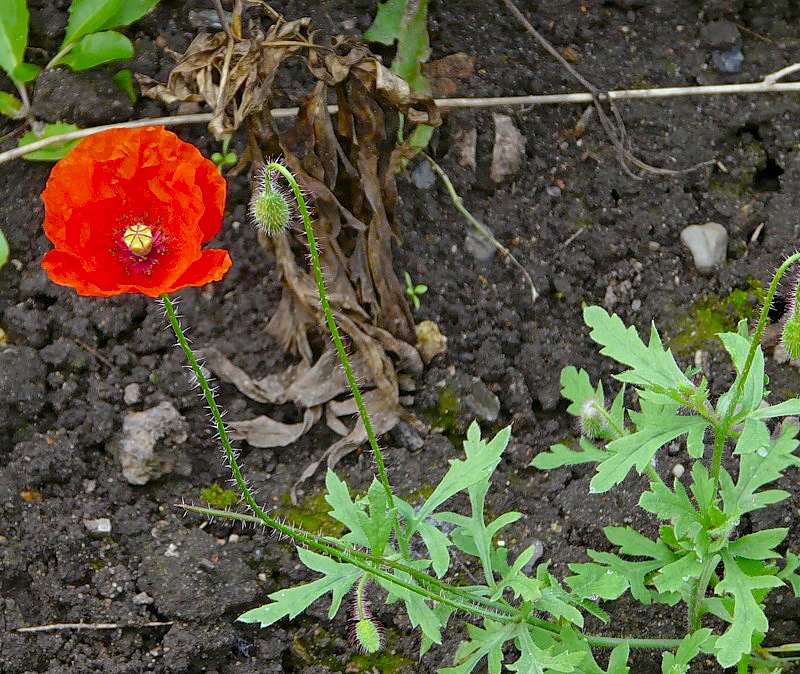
<point>364,631</point>
<point>368,635</point>
<point>270,208</point>
<point>790,337</point>
<point>592,421</point>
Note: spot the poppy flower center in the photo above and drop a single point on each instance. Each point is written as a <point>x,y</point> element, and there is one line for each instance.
<point>139,246</point>
<point>139,239</point>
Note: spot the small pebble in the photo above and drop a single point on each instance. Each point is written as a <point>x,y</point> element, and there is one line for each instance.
<point>728,61</point>
<point>100,526</point>
<point>508,151</point>
<point>708,244</point>
<point>636,305</point>
<point>142,599</point>
<point>132,394</point>
<point>678,470</point>
<point>423,176</point>
<point>653,245</point>
<point>171,551</point>
<point>553,191</point>
<point>233,538</point>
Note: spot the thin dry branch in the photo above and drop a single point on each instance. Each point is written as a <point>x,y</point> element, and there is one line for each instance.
<point>769,85</point>
<point>57,627</point>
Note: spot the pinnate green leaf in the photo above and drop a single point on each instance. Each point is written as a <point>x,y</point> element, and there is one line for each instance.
<point>378,524</point>
<point>638,449</point>
<point>651,366</point>
<point>482,459</point>
<point>678,662</point>
<point>748,614</point>
<point>98,48</point>
<point>738,346</point>
<point>561,455</point>
<point>338,580</point>
<point>759,545</point>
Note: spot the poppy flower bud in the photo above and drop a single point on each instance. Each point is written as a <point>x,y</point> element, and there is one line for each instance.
<point>593,422</point>
<point>368,635</point>
<point>269,207</point>
<point>790,337</point>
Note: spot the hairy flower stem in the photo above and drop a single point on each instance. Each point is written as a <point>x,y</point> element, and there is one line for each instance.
<point>337,341</point>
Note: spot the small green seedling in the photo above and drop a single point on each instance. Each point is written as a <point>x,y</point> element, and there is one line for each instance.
<point>224,159</point>
<point>414,291</point>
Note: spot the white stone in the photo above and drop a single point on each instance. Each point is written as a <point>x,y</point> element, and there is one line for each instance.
<point>132,394</point>
<point>708,244</point>
<point>99,526</point>
<point>508,151</point>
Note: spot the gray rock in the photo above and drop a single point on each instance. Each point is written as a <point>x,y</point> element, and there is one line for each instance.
<point>508,151</point>
<point>132,394</point>
<point>482,402</point>
<point>405,435</point>
<point>148,445</point>
<point>423,176</point>
<point>729,60</point>
<point>708,244</point>
<point>98,527</point>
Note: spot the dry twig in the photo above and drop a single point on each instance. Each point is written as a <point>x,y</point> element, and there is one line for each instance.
<point>57,627</point>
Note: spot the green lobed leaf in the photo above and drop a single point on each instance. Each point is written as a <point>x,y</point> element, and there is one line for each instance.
<point>756,470</point>
<point>561,455</point>
<point>593,580</point>
<point>89,16</point>
<point>435,540</point>
<point>535,660</point>
<point>10,105</point>
<point>678,662</point>
<point>748,614</point>
<point>638,449</point>
<point>419,613</point>
<point>789,572</point>
<point>759,545</point>
<point>788,408</point>
<point>577,388</point>
<point>674,576</point>
<point>651,366</point>
<point>482,459</point>
<point>13,34</point>
<point>482,643</point>
<point>554,599</point>
<point>98,48</point>
<point>344,510</point>
<point>753,393</point>
<point>338,580</point>
<point>673,506</point>
<point>378,524</point>
<point>5,252</point>
<point>52,152</point>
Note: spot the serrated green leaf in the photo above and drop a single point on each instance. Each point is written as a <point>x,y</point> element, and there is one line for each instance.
<point>52,152</point>
<point>89,16</point>
<point>789,572</point>
<point>678,662</point>
<point>338,580</point>
<point>673,506</point>
<point>638,449</point>
<point>554,599</point>
<point>13,34</point>
<point>760,545</point>
<point>593,580</point>
<point>535,660</point>
<point>788,408</point>
<point>756,470</point>
<point>482,643</point>
<point>618,660</point>
<point>576,387</point>
<point>378,524</point>
<point>98,48</point>
<point>675,575</point>
<point>748,615</point>
<point>4,250</point>
<point>435,540</point>
<point>561,455</point>
<point>482,459</point>
<point>10,105</point>
<point>651,366</point>
<point>754,437</point>
<point>753,392</point>
<point>419,613</point>
<point>344,509</point>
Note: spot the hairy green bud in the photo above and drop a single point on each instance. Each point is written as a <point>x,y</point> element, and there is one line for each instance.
<point>368,635</point>
<point>270,208</point>
<point>593,422</point>
<point>790,338</point>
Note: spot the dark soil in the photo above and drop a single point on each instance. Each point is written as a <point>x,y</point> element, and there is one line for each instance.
<point>606,239</point>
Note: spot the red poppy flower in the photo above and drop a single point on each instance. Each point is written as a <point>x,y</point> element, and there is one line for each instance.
<point>127,211</point>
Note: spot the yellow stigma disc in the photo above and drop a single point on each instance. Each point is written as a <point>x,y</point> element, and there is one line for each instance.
<point>138,239</point>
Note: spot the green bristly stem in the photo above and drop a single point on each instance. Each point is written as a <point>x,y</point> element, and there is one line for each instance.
<point>337,340</point>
